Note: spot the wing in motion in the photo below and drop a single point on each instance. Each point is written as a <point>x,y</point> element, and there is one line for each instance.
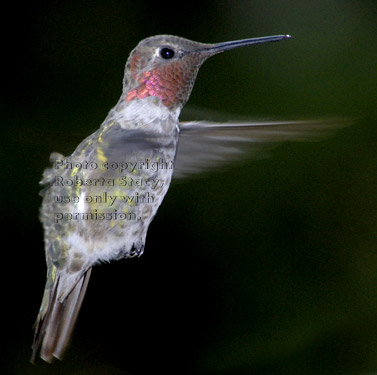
<point>205,146</point>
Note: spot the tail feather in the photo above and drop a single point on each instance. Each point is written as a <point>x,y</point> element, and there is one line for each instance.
<point>54,328</point>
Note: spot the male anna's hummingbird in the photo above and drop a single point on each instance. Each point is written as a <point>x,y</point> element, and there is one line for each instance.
<point>99,201</point>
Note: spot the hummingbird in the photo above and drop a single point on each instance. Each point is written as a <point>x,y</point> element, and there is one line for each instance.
<point>99,202</point>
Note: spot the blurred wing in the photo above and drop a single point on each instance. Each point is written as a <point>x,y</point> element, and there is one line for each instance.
<point>204,146</point>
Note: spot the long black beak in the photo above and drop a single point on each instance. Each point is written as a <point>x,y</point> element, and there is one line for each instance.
<point>220,47</point>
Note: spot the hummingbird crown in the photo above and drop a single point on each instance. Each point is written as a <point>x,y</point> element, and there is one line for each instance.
<point>165,67</point>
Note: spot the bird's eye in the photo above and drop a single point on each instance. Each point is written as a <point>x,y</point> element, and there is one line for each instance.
<point>166,53</point>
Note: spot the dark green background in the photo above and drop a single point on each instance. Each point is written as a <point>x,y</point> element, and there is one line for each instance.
<point>267,268</point>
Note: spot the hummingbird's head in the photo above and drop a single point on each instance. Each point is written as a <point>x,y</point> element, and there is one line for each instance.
<point>165,66</point>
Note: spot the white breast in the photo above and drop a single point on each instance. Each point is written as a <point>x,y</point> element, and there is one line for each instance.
<point>142,113</point>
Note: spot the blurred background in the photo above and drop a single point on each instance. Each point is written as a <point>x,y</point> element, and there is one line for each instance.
<point>269,267</point>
